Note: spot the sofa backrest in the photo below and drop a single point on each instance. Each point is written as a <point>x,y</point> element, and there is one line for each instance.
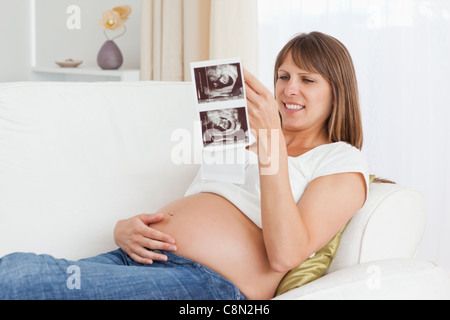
<point>77,157</point>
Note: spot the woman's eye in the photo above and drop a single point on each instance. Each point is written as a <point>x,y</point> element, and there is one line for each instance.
<point>308,80</point>
<point>283,78</point>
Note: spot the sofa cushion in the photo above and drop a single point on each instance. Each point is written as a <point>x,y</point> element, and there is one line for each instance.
<point>383,280</point>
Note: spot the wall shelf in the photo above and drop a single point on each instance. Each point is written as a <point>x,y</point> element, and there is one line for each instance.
<point>87,74</point>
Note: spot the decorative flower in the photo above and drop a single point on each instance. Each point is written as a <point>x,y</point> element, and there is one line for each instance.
<point>124,12</point>
<point>111,20</point>
<point>114,19</point>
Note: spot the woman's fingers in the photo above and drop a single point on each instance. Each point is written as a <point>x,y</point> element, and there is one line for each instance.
<point>145,256</point>
<point>140,259</point>
<point>137,238</point>
<point>252,96</point>
<point>262,106</point>
<point>152,243</point>
<point>151,233</point>
<point>255,85</point>
<point>149,218</point>
<point>144,250</point>
<point>154,234</point>
<point>257,93</point>
<point>251,80</point>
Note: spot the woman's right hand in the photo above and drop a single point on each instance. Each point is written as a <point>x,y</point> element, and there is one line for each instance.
<point>135,236</point>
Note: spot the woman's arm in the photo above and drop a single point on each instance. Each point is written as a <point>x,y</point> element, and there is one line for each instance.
<point>135,236</point>
<point>292,232</point>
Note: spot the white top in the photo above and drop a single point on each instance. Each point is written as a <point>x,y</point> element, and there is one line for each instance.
<point>327,159</point>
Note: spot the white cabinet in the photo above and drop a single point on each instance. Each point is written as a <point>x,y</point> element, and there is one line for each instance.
<point>83,74</point>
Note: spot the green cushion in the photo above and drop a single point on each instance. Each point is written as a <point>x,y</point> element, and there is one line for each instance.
<point>311,269</point>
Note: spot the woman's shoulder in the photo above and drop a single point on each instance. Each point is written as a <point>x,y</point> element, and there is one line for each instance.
<point>334,149</point>
<point>339,148</point>
<point>336,157</point>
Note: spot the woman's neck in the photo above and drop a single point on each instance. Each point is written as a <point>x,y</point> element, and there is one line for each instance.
<point>298,143</point>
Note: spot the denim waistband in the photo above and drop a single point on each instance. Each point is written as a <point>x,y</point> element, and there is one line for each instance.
<point>174,258</point>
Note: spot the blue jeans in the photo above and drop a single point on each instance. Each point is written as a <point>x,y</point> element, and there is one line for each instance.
<point>113,276</point>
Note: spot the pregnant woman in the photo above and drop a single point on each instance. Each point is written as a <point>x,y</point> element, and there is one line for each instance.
<point>230,241</point>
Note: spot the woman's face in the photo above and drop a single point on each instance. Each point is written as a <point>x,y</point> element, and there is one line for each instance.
<point>304,98</point>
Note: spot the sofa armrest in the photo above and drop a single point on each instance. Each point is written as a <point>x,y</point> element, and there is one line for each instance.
<point>386,279</point>
<point>390,226</point>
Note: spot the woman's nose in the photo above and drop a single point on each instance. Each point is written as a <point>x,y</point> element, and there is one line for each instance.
<point>292,87</point>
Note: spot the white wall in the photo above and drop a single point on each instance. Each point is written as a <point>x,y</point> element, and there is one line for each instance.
<point>15,40</point>
<point>401,51</point>
<point>55,41</point>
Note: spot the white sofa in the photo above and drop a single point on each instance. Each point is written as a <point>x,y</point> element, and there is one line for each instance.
<point>76,157</point>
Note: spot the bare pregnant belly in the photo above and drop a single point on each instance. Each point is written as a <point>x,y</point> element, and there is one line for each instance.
<point>210,230</point>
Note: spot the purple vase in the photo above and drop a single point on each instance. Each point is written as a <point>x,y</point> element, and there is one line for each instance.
<point>109,57</point>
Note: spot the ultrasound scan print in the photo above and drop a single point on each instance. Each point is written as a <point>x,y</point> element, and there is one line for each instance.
<point>219,83</point>
<point>224,126</point>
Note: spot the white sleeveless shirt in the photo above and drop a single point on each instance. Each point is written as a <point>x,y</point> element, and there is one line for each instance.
<point>327,159</point>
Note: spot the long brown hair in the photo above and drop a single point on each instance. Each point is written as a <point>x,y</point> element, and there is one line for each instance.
<point>320,53</point>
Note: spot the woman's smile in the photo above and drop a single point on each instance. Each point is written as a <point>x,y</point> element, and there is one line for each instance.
<point>292,107</point>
